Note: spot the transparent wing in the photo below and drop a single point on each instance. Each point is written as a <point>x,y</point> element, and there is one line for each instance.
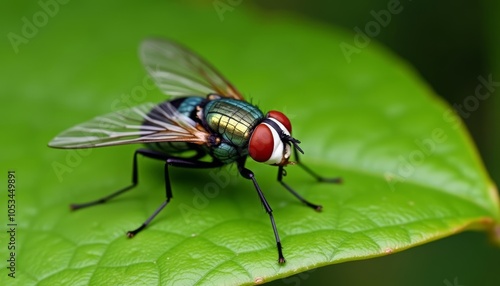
<point>141,124</point>
<point>180,72</point>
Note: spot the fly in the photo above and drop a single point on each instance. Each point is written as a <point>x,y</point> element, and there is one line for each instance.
<point>206,116</point>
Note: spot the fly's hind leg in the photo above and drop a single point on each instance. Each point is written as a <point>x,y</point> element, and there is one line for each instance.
<point>193,162</point>
<point>135,181</point>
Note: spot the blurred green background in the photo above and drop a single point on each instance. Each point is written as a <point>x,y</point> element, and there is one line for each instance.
<point>450,43</point>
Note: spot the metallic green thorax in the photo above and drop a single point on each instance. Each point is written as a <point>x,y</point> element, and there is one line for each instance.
<point>233,120</point>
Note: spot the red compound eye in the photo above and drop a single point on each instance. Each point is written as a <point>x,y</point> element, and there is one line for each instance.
<point>261,144</point>
<point>281,118</point>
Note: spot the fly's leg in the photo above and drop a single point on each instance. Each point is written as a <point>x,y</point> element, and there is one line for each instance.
<point>144,152</point>
<point>247,174</point>
<point>336,180</point>
<point>281,173</point>
<point>176,162</point>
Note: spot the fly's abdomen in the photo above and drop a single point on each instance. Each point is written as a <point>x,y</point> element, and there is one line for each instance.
<point>232,119</point>
<point>186,106</point>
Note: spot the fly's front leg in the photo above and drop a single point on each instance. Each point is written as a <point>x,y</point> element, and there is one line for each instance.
<point>336,180</point>
<point>177,162</point>
<point>247,174</point>
<point>281,173</point>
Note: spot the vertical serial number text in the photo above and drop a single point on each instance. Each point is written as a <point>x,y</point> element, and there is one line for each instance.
<point>11,223</point>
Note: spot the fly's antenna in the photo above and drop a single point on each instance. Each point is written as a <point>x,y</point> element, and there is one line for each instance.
<point>289,139</point>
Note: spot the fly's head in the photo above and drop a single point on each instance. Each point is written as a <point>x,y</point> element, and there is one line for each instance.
<point>271,141</point>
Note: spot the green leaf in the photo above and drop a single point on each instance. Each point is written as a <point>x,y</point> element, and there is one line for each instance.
<point>411,173</point>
